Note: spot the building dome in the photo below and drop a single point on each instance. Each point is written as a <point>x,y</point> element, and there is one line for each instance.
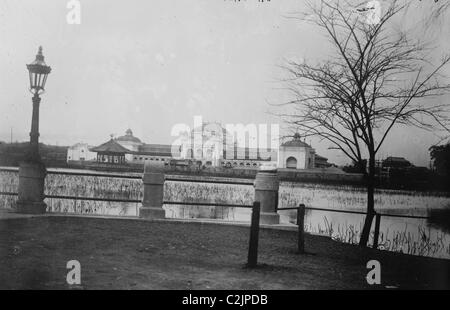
<point>296,142</point>
<point>128,137</point>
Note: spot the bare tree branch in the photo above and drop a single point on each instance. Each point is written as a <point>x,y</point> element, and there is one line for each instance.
<point>376,79</point>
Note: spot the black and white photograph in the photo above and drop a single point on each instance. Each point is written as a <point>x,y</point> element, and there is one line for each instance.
<point>225,151</point>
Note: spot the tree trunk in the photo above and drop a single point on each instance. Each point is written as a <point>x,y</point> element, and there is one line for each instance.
<point>370,203</point>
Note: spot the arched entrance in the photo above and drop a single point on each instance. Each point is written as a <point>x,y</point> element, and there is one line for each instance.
<point>291,162</point>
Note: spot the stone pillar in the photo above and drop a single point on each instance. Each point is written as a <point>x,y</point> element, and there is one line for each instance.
<point>266,192</point>
<point>31,188</point>
<point>153,179</point>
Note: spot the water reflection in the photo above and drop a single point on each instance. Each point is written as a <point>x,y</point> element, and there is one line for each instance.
<point>405,235</point>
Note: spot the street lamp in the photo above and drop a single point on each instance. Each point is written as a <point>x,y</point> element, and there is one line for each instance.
<point>32,171</point>
<point>38,72</point>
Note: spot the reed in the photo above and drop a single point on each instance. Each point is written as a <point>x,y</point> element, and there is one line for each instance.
<point>424,241</point>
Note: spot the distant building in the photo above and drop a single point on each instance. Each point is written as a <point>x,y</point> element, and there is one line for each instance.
<point>130,143</point>
<point>211,146</point>
<point>80,152</point>
<point>396,162</point>
<point>156,152</point>
<point>296,154</point>
<point>321,162</point>
<point>111,152</point>
<point>214,146</point>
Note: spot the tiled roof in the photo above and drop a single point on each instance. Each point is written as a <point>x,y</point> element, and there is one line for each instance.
<point>396,159</point>
<point>296,143</point>
<point>317,156</point>
<point>110,147</point>
<point>155,149</point>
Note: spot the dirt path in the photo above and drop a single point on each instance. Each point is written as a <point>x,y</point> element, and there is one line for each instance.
<point>130,254</point>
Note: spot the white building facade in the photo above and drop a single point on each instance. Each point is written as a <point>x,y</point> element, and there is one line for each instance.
<point>296,154</point>
<point>212,146</point>
<point>80,152</point>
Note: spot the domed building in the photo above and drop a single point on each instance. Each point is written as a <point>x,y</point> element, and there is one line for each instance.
<point>136,151</point>
<point>210,144</point>
<point>126,149</point>
<point>206,143</point>
<point>296,154</point>
<point>216,146</point>
<point>129,142</point>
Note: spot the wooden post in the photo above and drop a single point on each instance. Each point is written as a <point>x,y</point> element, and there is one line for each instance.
<point>301,228</point>
<point>377,231</point>
<point>252,260</point>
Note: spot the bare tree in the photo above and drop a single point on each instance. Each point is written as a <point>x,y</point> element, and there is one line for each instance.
<point>376,78</point>
<point>438,10</point>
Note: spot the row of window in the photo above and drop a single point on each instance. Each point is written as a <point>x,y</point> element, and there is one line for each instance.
<point>228,163</point>
<point>151,158</point>
<point>241,164</point>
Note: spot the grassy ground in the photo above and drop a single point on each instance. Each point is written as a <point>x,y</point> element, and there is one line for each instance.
<point>130,254</point>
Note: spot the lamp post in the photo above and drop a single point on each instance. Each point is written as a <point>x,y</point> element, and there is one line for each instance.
<point>32,171</point>
<point>38,72</point>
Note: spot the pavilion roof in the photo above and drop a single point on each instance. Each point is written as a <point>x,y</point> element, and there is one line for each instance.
<point>110,147</point>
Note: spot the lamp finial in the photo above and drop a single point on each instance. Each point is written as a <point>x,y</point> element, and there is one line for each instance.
<point>39,56</point>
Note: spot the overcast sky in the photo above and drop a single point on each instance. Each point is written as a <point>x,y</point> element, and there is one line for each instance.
<point>148,65</point>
